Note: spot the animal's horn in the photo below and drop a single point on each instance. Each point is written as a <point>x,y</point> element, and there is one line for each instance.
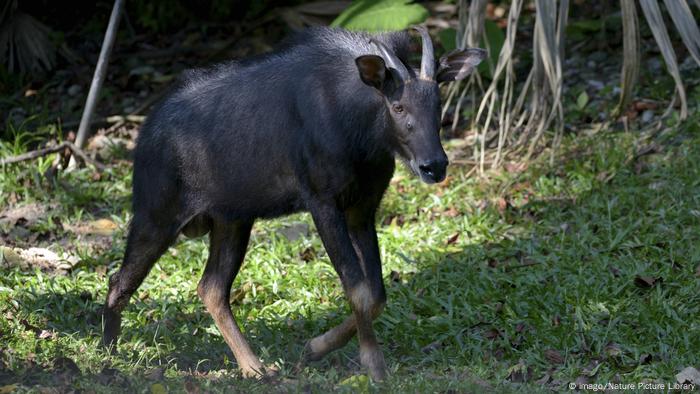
<point>392,61</point>
<point>427,63</point>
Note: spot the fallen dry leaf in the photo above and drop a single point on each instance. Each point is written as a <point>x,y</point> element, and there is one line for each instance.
<point>515,167</point>
<point>644,105</point>
<point>501,204</point>
<point>452,212</point>
<point>492,333</point>
<point>544,379</point>
<point>689,375</point>
<point>554,356</point>
<point>395,276</point>
<point>42,258</point>
<point>520,373</point>
<point>25,215</point>
<point>7,389</point>
<point>101,227</point>
<point>46,334</point>
<point>613,350</point>
<point>645,358</point>
<point>308,254</point>
<point>452,239</point>
<point>445,183</point>
<point>645,281</point>
<point>556,321</point>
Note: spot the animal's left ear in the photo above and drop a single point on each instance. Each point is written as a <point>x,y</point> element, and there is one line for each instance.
<point>458,64</point>
<point>372,70</point>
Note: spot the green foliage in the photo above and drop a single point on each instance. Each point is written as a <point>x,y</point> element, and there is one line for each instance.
<point>448,39</point>
<point>582,100</point>
<point>495,38</point>
<point>382,15</point>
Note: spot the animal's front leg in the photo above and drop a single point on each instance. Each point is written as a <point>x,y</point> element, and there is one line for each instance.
<point>366,295</point>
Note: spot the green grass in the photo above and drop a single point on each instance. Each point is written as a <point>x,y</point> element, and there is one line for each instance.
<point>553,271</point>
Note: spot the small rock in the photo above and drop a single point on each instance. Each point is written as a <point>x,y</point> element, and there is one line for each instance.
<point>647,116</point>
<point>596,84</point>
<point>294,231</point>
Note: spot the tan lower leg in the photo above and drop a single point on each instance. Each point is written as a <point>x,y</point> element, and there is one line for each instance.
<point>365,309</point>
<point>332,339</point>
<point>248,362</point>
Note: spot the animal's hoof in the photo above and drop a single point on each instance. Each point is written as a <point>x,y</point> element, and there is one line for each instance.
<point>373,360</point>
<point>260,372</point>
<point>311,352</point>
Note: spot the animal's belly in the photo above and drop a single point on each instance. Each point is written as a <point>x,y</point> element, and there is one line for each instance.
<point>257,199</point>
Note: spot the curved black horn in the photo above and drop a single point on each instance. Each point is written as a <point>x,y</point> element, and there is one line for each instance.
<point>393,63</point>
<point>427,63</point>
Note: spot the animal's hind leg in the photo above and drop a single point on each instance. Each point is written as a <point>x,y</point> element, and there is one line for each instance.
<point>145,244</point>
<point>228,243</point>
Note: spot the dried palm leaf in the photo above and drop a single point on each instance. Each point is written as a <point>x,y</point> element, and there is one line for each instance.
<point>547,78</point>
<point>652,13</point>
<point>25,44</point>
<point>686,26</point>
<point>504,66</point>
<point>469,34</point>
<point>631,54</point>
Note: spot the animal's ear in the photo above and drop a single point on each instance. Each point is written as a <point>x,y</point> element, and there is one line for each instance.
<point>372,70</point>
<point>458,64</point>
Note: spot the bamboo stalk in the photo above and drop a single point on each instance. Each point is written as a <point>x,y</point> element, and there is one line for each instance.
<point>100,72</point>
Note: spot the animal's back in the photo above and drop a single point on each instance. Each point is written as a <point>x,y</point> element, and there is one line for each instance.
<point>260,113</point>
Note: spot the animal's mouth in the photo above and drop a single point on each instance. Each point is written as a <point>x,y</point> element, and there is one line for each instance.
<point>427,174</point>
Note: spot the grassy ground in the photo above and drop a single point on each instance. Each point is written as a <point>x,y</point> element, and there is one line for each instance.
<point>522,281</point>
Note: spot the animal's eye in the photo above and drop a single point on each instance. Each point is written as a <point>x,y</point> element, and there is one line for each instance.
<point>398,108</point>
<point>409,125</point>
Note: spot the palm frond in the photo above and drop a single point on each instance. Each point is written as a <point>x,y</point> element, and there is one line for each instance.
<point>503,70</point>
<point>686,26</point>
<point>652,13</point>
<point>24,44</point>
<point>469,34</point>
<point>631,55</point>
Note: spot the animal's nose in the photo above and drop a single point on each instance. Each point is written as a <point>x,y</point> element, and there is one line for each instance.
<point>435,169</point>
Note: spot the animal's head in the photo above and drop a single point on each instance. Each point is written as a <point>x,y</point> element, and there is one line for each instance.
<point>413,101</point>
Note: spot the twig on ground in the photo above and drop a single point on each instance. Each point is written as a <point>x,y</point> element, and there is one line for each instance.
<point>53,149</point>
